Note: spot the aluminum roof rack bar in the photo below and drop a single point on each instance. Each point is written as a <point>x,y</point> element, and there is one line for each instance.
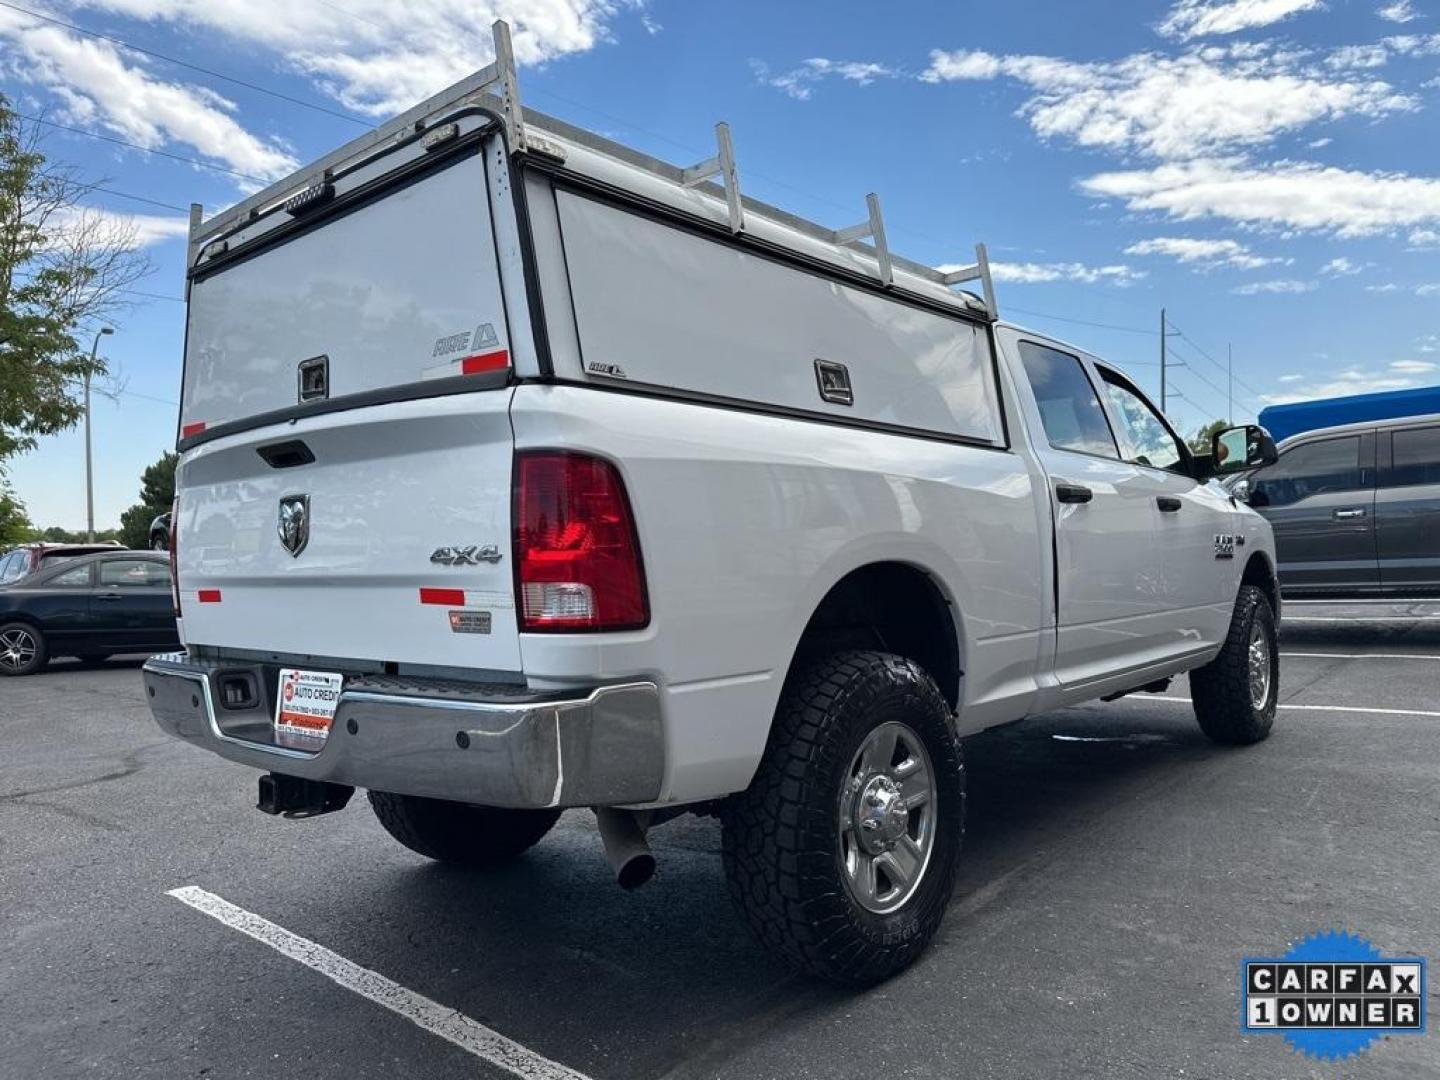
<point>723,166</point>
<point>509,88</point>
<point>873,230</point>
<point>980,272</point>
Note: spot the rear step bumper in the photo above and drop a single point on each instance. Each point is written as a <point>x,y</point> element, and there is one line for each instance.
<point>494,745</point>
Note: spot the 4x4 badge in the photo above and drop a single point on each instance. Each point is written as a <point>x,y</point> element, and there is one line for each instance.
<point>294,524</point>
<point>466,556</point>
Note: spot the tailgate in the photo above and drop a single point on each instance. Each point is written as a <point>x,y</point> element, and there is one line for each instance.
<point>390,486</point>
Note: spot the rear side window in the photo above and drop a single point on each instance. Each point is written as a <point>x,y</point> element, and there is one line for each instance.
<point>1415,457</point>
<point>1311,469</point>
<point>1069,407</point>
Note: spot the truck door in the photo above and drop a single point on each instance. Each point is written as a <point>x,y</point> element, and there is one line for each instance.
<point>1107,569</point>
<point>1320,500</point>
<point>1196,586</point>
<point>1407,508</point>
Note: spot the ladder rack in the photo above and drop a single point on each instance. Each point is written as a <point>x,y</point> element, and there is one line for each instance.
<point>527,131</point>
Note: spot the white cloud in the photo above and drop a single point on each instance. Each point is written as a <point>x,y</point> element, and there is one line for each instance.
<point>1351,381</point>
<point>1205,253</point>
<point>1319,144</point>
<point>1388,287</point>
<point>1424,238</point>
<point>100,89</point>
<point>1283,285</point>
<point>1413,367</point>
<point>1432,289</point>
<point>1289,194</point>
<point>1430,343</point>
<point>799,82</point>
<point>1196,18</point>
<point>138,230</point>
<point>1291,378</point>
<point>1400,11</point>
<point>1202,102</point>
<point>1027,273</point>
<point>380,57</point>
<point>1340,267</point>
<point>1358,56</point>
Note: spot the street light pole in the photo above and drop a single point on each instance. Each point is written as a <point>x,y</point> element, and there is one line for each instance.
<point>89,470</point>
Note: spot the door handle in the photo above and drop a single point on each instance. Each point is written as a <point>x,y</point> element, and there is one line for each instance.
<point>108,596</point>
<point>1349,513</point>
<point>1168,503</point>
<point>1073,493</point>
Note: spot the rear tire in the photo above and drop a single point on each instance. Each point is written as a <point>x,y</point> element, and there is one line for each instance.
<point>824,866</point>
<point>1236,694</point>
<point>453,832</point>
<point>23,650</point>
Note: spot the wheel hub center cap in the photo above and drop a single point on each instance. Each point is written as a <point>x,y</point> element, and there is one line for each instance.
<point>881,815</point>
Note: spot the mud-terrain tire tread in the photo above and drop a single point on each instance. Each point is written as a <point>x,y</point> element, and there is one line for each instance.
<point>780,836</point>
<point>453,832</point>
<point>1221,689</point>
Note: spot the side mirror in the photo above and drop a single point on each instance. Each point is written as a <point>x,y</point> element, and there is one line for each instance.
<point>1237,449</point>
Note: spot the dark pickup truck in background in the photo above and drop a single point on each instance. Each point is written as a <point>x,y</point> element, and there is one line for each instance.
<point>1355,506</point>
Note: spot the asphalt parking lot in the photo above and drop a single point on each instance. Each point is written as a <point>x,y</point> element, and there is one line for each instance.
<point>1117,868</point>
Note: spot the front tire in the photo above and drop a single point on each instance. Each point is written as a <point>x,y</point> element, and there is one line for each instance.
<point>842,853</point>
<point>23,650</point>
<point>452,832</point>
<point>1237,693</point>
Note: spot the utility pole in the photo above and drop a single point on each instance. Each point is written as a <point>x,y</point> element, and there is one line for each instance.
<point>1162,361</point>
<point>89,471</point>
<point>1229,385</point>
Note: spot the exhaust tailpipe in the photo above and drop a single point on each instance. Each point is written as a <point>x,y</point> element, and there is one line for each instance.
<point>626,848</point>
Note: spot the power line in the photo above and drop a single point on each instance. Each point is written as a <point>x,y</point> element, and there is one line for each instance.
<point>137,198</point>
<point>1219,366</point>
<point>152,296</point>
<point>142,149</point>
<point>186,64</point>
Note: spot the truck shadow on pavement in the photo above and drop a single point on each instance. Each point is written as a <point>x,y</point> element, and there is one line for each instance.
<point>666,981</point>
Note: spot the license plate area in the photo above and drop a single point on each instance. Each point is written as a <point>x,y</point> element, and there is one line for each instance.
<point>305,703</point>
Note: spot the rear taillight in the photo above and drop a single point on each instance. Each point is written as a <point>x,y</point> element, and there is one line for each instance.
<point>170,543</point>
<point>577,557</point>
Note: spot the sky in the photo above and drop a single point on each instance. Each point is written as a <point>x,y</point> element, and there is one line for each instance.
<point>1268,171</point>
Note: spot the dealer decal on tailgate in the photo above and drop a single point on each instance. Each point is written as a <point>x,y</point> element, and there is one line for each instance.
<point>306,703</point>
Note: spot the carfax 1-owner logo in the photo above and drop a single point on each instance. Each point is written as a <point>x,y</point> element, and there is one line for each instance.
<point>1332,995</point>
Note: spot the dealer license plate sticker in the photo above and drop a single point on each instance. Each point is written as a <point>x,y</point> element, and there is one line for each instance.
<point>305,705</point>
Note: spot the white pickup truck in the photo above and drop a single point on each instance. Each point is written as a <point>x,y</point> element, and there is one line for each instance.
<point>521,471</point>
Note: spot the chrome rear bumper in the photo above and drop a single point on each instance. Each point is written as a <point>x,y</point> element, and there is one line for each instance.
<point>494,745</point>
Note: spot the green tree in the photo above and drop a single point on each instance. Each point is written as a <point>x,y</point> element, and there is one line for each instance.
<point>157,494</point>
<point>1200,441</point>
<point>63,269</point>
<point>15,527</point>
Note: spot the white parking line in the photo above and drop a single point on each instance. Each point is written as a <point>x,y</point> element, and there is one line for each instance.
<point>1363,655</point>
<point>470,1035</point>
<point>1309,708</point>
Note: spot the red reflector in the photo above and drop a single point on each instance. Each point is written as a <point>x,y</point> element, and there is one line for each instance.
<point>208,596</point>
<point>447,597</point>
<point>192,429</point>
<point>577,557</point>
<point>475,365</point>
<point>174,558</point>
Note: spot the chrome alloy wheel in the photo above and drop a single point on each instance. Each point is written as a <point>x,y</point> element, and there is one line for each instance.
<point>887,818</point>
<point>1259,667</point>
<point>17,648</point>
